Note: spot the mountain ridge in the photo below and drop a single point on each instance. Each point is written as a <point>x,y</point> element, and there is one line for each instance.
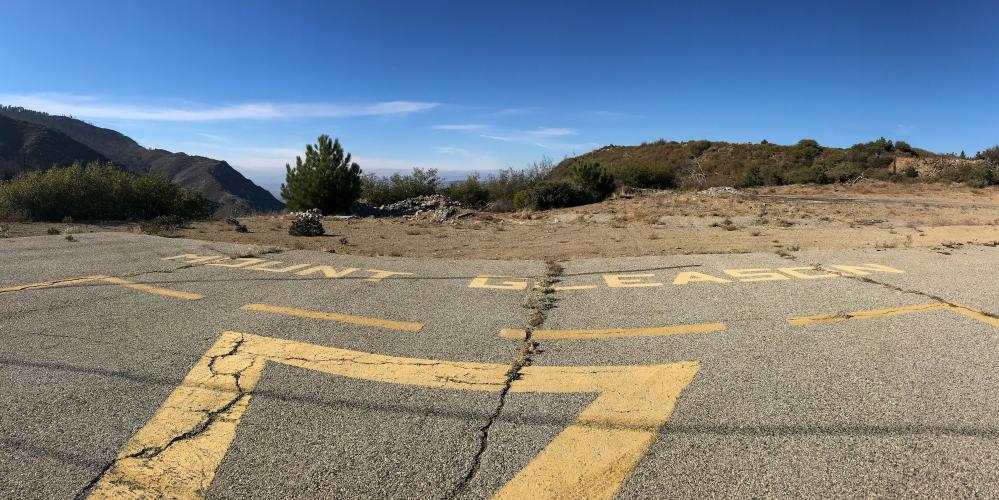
<point>27,146</point>
<point>216,180</point>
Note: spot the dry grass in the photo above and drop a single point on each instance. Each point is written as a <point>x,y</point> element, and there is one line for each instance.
<point>650,223</point>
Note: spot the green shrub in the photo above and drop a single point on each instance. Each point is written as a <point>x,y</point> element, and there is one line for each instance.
<point>991,155</point>
<point>326,180</point>
<point>551,194</point>
<point>974,174</point>
<point>162,224</point>
<point>646,176</point>
<point>96,192</point>
<point>495,190</point>
<point>910,172</point>
<point>378,190</point>
<point>592,180</point>
<point>471,191</point>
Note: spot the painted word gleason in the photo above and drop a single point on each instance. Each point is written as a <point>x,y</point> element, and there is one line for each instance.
<point>727,276</point>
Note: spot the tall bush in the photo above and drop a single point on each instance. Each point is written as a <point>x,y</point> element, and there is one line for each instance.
<point>379,190</point>
<point>327,179</point>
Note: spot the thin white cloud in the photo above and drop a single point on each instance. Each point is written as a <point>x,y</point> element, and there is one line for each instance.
<point>91,107</point>
<point>461,127</point>
<point>451,150</point>
<point>512,112</point>
<point>503,138</point>
<point>543,137</point>
<point>212,137</point>
<point>550,132</point>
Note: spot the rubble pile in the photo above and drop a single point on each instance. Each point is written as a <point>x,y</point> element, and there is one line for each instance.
<point>434,208</point>
<point>717,190</point>
<point>307,223</point>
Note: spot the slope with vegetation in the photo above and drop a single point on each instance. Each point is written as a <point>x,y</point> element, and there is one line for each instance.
<point>215,180</point>
<point>25,147</point>
<point>592,177</point>
<point>96,192</point>
<point>698,164</point>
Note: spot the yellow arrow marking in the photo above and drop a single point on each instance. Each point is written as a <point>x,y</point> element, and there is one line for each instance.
<point>895,311</point>
<point>178,451</point>
<point>332,316</point>
<point>613,332</point>
<point>155,290</point>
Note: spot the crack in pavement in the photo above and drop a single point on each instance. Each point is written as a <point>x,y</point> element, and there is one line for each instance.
<point>538,300</point>
<point>202,426</point>
<point>864,279</point>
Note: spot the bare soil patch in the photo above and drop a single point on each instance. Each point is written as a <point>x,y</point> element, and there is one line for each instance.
<point>787,218</point>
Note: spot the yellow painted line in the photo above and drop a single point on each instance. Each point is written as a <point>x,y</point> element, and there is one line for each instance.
<point>975,314</point>
<point>591,458</point>
<point>155,290</point>
<point>51,284</point>
<point>332,316</point>
<point>877,313</point>
<point>614,332</point>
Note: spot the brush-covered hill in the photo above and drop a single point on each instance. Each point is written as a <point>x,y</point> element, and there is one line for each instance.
<point>26,146</point>
<point>695,164</point>
<point>216,180</point>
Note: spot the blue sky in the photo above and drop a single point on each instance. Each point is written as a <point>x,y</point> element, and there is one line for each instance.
<point>483,85</point>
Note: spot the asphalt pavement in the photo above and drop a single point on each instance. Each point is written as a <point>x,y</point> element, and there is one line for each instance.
<point>135,366</point>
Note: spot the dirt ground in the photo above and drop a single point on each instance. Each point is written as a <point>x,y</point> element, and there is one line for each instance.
<point>788,218</point>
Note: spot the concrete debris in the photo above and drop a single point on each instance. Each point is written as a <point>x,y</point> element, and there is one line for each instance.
<point>717,190</point>
<point>433,208</point>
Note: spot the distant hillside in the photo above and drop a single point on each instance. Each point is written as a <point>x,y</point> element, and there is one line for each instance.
<point>694,164</point>
<point>215,180</point>
<point>26,146</point>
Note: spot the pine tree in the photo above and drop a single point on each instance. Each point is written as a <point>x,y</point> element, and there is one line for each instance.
<point>326,179</point>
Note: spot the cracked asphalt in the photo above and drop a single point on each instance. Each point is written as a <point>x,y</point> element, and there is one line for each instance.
<point>194,369</point>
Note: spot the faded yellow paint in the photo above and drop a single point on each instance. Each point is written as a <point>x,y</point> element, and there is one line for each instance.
<point>614,332</point>
<point>691,277</point>
<point>591,458</point>
<point>629,280</point>
<point>796,273</point>
<point>483,281</point>
<point>976,314</point>
<point>332,316</point>
<point>155,290</point>
<point>51,284</point>
<point>269,267</point>
<point>758,274</point>
<point>895,311</point>
<point>258,264</point>
<point>328,271</point>
<point>378,275</point>
<point>197,259</point>
<point>566,288</point>
<point>239,263</point>
<point>876,313</point>
<point>866,269</point>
